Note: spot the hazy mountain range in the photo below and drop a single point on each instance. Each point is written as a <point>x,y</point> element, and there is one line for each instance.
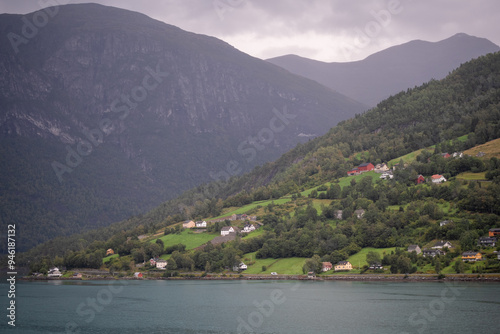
<point>389,71</point>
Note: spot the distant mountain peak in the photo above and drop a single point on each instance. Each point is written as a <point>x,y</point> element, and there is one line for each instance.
<point>462,34</point>
<point>392,70</point>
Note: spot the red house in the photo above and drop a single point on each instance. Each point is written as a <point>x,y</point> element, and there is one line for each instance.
<point>420,179</point>
<point>366,167</point>
<point>326,266</point>
<point>354,171</point>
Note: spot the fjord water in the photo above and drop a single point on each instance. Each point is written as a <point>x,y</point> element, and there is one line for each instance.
<point>212,307</point>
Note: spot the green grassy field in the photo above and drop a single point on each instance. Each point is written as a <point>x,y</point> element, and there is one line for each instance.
<point>288,266</point>
<point>253,234</point>
<point>471,176</point>
<point>427,269</point>
<point>449,269</point>
<point>108,258</point>
<point>410,157</point>
<point>165,256</point>
<point>317,204</point>
<point>188,238</point>
<point>248,207</point>
<point>359,259</point>
<point>306,192</point>
<point>396,207</point>
<point>345,181</point>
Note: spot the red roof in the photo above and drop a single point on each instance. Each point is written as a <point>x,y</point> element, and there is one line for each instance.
<point>437,176</point>
<point>367,166</point>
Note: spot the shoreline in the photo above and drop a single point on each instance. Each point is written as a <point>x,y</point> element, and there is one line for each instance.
<point>495,278</point>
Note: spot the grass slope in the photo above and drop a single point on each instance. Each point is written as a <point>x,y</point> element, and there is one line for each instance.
<point>468,176</point>
<point>345,181</point>
<point>287,266</point>
<point>407,158</point>
<point>108,258</point>
<point>359,259</point>
<point>188,238</point>
<point>253,205</point>
<point>491,149</point>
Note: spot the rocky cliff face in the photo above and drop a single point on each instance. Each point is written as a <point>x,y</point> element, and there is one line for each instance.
<point>106,112</point>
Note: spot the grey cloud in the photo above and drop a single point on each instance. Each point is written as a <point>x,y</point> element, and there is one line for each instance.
<point>264,27</point>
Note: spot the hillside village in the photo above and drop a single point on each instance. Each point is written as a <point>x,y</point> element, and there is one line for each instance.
<point>244,227</point>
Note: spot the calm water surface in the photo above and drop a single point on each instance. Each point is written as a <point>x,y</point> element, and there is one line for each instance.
<point>253,307</point>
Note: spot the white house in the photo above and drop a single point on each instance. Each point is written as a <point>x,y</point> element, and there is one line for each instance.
<point>445,222</point>
<point>54,272</point>
<point>161,264</point>
<point>414,248</point>
<point>442,244</point>
<point>386,176</point>
<point>376,266</point>
<point>226,230</point>
<point>380,168</point>
<point>325,266</point>
<point>240,266</point>
<point>438,178</point>
<point>248,228</point>
<point>432,252</point>
<point>201,224</point>
<point>487,241</point>
<point>359,213</point>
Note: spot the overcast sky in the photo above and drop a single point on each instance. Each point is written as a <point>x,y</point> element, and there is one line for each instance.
<point>327,30</point>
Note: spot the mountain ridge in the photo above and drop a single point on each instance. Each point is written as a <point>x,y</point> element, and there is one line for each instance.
<point>391,70</point>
